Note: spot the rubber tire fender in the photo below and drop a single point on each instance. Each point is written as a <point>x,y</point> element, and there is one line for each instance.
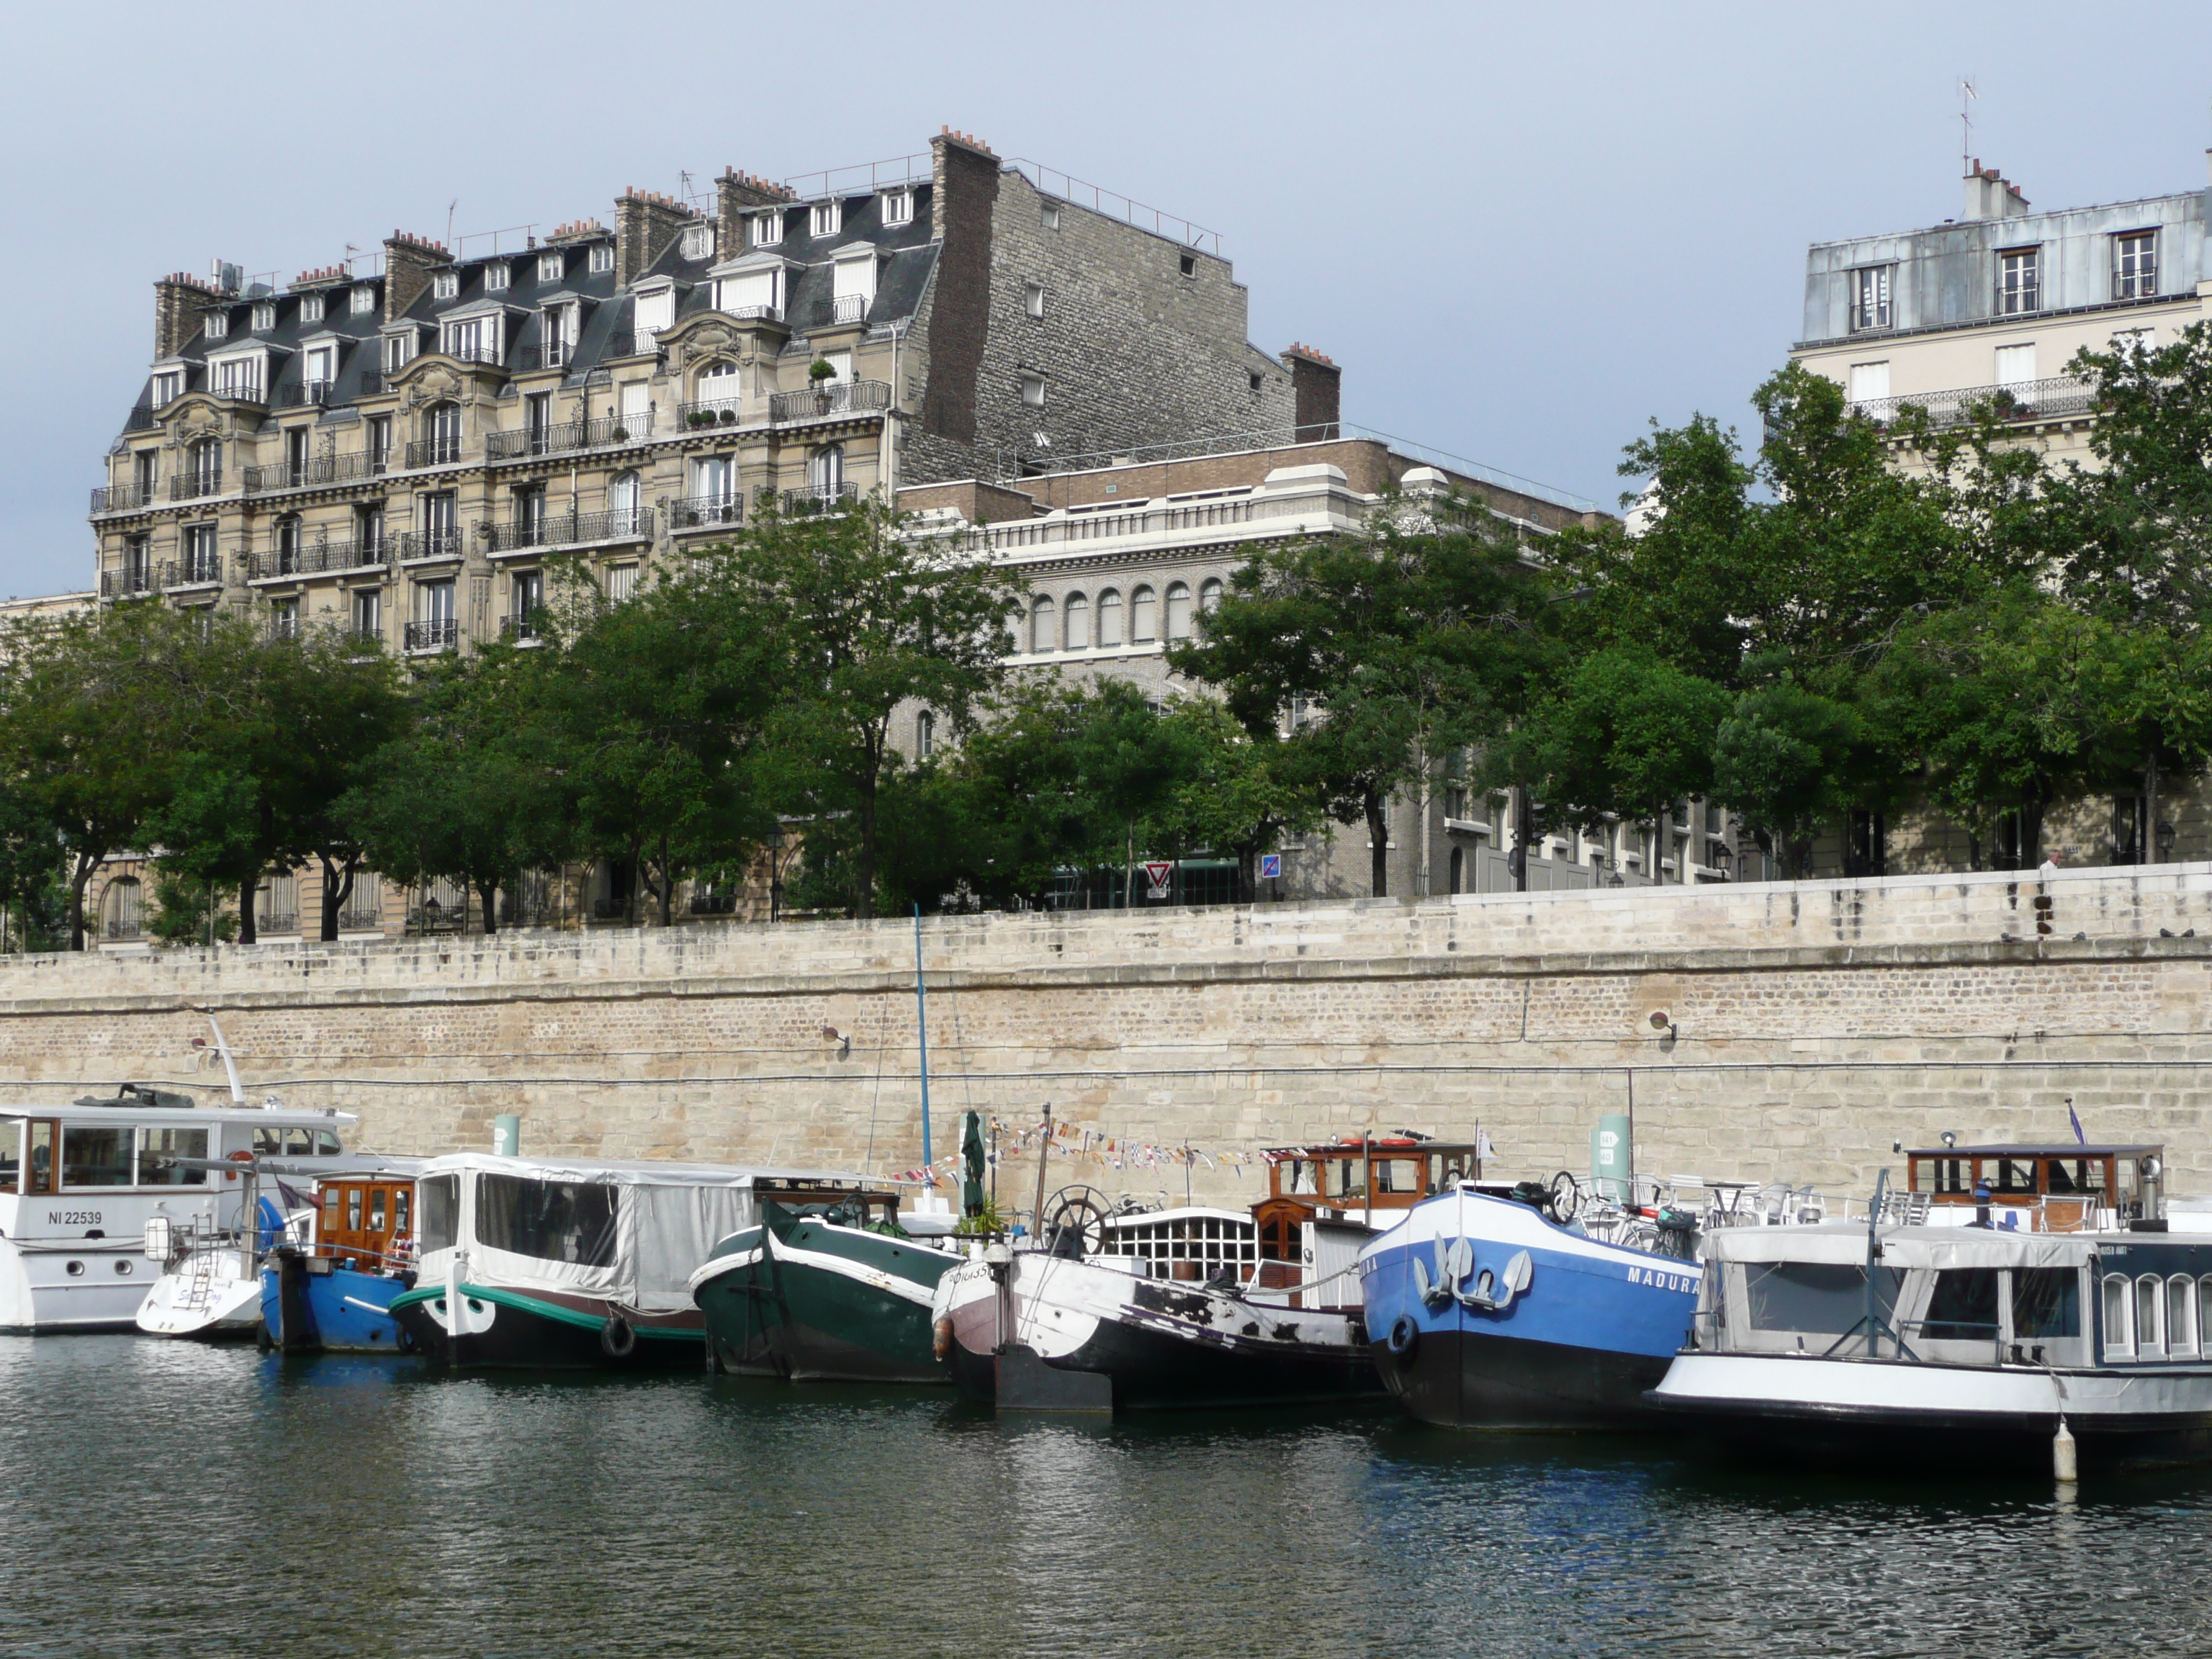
<point>617,1337</point>
<point>941,1339</point>
<point>1404,1339</point>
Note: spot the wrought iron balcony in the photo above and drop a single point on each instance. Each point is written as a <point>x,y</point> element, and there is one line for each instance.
<point>314,471</point>
<point>315,394</point>
<point>711,411</point>
<point>140,419</point>
<point>123,498</point>
<point>714,904</point>
<point>643,342</point>
<point>278,921</point>
<point>835,398</point>
<point>473,354</point>
<point>191,486</point>
<point>706,511</point>
<point>372,383</point>
<point>240,391</point>
<point>427,543</point>
<point>433,452</point>
<point>2059,397</point>
<point>442,636</point>
<point>361,921</point>
<point>557,354</point>
<point>755,313</point>
<point>192,571</point>
<point>598,433</point>
<point>820,498</point>
<point>129,579</point>
<point>843,308</point>
<point>319,558</point>
<point>124,927</point>
<point>566,530</point>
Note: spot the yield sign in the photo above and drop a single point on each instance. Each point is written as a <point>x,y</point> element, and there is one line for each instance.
<point>1158,870</point>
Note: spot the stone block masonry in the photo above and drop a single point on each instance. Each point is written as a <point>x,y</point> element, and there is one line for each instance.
<point>1812,1024</point>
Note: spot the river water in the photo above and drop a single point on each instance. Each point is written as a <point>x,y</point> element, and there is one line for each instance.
<point>170,1498</point>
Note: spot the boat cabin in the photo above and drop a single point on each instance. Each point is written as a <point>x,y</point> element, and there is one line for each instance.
<point>366,1222</point>
<point>1353,1180</point>
<point>2058,1188</point>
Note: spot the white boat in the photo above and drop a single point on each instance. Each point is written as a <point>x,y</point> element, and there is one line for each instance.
<point>1964,1346</point>
<point>80,1185</point>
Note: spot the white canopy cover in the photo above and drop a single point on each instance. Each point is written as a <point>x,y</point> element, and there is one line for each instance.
<point>1901,1247</point>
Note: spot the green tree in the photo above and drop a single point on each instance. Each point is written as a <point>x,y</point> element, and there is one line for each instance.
<point>1787,761</point>
<point>865,616</point>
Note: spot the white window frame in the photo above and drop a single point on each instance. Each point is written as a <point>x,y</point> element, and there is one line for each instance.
<point>1109,605</point>
<point>1033,300</point>
<point>2182,1343</point>
<point>621,581</point>
<point>764,229</point>
<point>1051,215</point>
<point>311,307</point>
<point>898,207</point>
<point>1863,379</point>
<point>2019,281</point>
<point>826,218</point>
<point>2132,343</point>
<point>698,240</point>
<point>1033,390</point>
<point>364,299</point>
<point>2150,1345</point>
<point>319,365</point>
<point>398,350</point>
<point>446,285</point>
<point>168,386</point>
<point>659,294</point>
<point>727,290</point>
<point>496,276</point>
<point>2141,282</point>
<point>1871,311</point>
<point>601,258</point>
<point>2120,1332</point>
<point>264,316</point>
<point>552,265</point>
<point>215,323</point>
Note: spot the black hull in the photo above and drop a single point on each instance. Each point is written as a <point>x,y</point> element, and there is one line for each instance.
<point>1154,1370</point>
<point>522,1339</point>
<point>2010,1444</point>
<point>799,1353</point>
<point>1473,1380</point>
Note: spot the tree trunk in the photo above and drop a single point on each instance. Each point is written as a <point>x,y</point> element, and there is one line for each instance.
<point>2149,853</point>
<point>337,888</point>
<point>864,867</point>
<point>1378,843</point>
<point>668,885</point>
<point>2030,832</point>
<point>79,880</point>
<point>1524,811</point>
<point>488,895</point>
<point>249,888</point>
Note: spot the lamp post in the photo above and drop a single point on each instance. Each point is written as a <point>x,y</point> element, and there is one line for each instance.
<point>774,841</point>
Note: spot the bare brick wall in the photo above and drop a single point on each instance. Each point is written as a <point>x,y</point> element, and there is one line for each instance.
<point>1813,1024</point>
<point>964,193</point>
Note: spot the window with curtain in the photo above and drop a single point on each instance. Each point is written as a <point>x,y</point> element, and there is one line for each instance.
<point>1076,623</point>
<point>1143,617</point>
<point>1178,610</point>
<point>1109,617</point>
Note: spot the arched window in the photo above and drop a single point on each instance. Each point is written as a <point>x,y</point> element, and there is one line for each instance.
<point>2119,1327</point>
<point>1077,622</point>
<point>122,909</point>
<point>621,505</point>
<point>1459,870</point>
<point>1041,625</point>
<point>1109,617</point>
<point>2150,1320</point>
<point>1209,594</point>
<point>716,395</point>
<point>1144,611</point>
<point>2181,1335</point>
<point>1178,610</point>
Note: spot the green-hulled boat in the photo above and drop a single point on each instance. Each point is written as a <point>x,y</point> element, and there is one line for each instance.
<point>828,1293</point>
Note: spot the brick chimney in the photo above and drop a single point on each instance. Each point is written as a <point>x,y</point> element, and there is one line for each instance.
<point>408,263</point>
<point>645,222</point>
<point>1316,388</point>
<point>178,300</point>
<point>735,192</point>
<point>1989,196</point>
<point>964,172</point>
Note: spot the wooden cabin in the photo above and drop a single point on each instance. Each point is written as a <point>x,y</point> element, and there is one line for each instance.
<point>2066,1185</point>
<point>1368,1181</point>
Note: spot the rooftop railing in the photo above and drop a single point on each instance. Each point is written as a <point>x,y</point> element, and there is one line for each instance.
<point>2056,397</point>
<point>566,529</point>
<point>826,402</point>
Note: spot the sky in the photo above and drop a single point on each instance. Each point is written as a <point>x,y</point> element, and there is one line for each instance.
<point>1522,231</point>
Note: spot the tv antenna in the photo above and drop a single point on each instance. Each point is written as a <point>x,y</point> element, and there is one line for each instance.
<point>1968,96</point>
<point>450,208</point>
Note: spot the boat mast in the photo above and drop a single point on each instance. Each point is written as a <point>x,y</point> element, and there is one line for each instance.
<point>921,1034</point>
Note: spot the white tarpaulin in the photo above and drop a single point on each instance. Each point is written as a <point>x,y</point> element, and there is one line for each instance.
<point>1901,1247</point>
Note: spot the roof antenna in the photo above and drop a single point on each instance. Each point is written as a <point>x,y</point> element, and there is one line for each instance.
<point>1967,96</point>
<point>450,206</point>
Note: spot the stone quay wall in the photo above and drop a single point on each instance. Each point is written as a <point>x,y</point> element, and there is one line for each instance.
<point>1808,1026</point>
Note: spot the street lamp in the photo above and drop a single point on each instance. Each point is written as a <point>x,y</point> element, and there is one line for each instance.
<point>774,840</point>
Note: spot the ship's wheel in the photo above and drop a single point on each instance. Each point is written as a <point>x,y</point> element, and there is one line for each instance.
<point>1565,1199</point>
<point>1075,1219</point>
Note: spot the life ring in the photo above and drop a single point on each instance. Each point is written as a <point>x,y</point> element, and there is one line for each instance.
<point>1405,1337</point>
<point>617,1337</point>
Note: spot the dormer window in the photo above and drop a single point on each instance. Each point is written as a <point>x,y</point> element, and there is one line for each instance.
<point>446,285</point>
<point>549,266</point>
<point>495,278</point>
<point>398,348</point>
<point>311,308</point>
<point>364,299</point>
<point>264,316</point>
<point>168,386</point>
<point>603,256</point>
<point>767,229</point>
<point>898,207</point>
<point>215,325</point>
<point>699,241</point>
<point>826,218</point>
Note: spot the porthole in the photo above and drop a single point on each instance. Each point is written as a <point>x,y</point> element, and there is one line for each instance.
<point>77,1270</point>
<point>123,1269</point>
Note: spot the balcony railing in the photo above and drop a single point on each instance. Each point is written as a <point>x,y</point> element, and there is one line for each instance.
<point>124,927</point>
<point>711,411</point>
<point>433,452</point>
<point>558,353</point>
<point>845,398</point>
<point>706,511</point>
<point>361,921</point>
<point>123,498</point>
<point>434,635</point>
<point>714,904</point>
<point>239,392</point>
<point>474,353</point>
<point>278,921</point>
<point>185,572</point>
<point>129,579</point>
<point>565,530</point>
<point>315,394</point>
<point>597,433</point>
<point>191,486</point>
<point>427,543</point>
<point>316,558</point>
<point>526,627</point>
<point>643,342</point>
<point>843,308</point>
<point>819,498</point>
<point>140,419</point>
<point>315,470</point>
<point>372,383</point>
<point>755,313</point>
<point>2057,397</point>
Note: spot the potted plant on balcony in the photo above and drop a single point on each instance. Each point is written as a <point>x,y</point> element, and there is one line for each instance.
<point>822,373</point>
<point>729,417</point>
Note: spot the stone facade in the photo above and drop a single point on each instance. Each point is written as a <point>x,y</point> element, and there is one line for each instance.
<point>1805,1027</point>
